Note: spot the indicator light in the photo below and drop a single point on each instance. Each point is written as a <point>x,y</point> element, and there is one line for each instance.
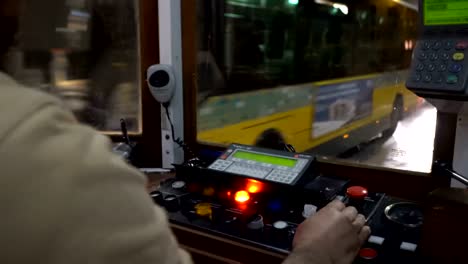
<point>253,189</point>
<point>204,210</point>
<point>242,196</point>
<point>209,191</point>
<point>254,186</point>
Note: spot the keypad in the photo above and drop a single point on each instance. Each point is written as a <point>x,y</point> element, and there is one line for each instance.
<point>249,170</point>
<point>440,64</point>
<point>220,165</point>
<point>282,176</point>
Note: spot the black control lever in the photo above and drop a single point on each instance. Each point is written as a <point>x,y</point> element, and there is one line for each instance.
<point>123,128</point>
<point>448,170</point>
<point>124,149</point>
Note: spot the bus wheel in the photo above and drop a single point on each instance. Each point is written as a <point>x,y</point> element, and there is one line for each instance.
<point>395,117</point>
<point>272,139</point>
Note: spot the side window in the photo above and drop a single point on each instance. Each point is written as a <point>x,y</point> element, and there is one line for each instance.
<point>323,76</point>
<point>85,52</point>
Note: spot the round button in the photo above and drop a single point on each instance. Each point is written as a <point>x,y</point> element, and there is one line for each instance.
<point>448,45</point>
<point>434,56</point>
<point>431,67</point>
<point>417,77</point>
<point>420,67</point>
<point>442,67</point>
<point>458,56</point>
<point>427,78</point>
<point>426,45</point>
<point>437,45</point>
<point>178,185</point>
<point>368,253</point>
<point>456,68</point>
<point>461,45</point>
<point>204,210</point>
<point>280,225</point>
<point>445,56</point>
<point>423,55</point>
<point>280,232</point>
<point>256,223</point>
<point>356,192</point>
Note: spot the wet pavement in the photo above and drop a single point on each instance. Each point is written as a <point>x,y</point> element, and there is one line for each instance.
<point>410,147</point>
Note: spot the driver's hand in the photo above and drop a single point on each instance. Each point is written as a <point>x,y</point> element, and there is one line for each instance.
<point>333,235</point>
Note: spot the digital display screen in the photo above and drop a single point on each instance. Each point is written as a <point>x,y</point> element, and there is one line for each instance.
<point>445,12</point>
<point>274,160</point>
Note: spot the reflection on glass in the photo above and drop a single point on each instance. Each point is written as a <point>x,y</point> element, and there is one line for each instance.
<point>320,75</point>
<point>85,52</point>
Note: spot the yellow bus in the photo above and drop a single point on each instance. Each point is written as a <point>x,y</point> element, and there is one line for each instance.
<point>322,76</point>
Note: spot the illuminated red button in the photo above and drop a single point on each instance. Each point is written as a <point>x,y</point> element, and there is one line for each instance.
<point>356,192</point>
<point>462,45</point>
<point>368,253</point>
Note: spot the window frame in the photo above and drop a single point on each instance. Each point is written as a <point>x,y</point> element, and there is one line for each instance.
<point>417,185</point>
<point>149,139</point>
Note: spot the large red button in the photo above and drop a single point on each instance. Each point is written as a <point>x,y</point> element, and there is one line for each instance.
<point>368,253</point>
<point>356,192</point>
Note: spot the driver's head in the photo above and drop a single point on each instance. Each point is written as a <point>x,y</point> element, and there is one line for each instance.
<point>9,20</point>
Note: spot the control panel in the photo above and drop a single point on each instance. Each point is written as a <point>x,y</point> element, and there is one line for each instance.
<point>276,166</point>
<point>440,63</point>
<point>263,214</point>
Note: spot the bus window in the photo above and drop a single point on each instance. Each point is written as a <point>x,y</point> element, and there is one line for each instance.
<point>325,77</point>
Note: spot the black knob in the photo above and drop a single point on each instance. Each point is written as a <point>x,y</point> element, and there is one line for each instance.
<point>280,233</point>
<point>171,202</point>
<point>230,220</point>
<point>157,197</point>
<point>230,224</point>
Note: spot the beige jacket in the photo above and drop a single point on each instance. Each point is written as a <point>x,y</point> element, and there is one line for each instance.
<point>64,197</point>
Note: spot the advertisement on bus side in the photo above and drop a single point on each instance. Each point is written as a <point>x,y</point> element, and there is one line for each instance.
<point>339,104</point>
